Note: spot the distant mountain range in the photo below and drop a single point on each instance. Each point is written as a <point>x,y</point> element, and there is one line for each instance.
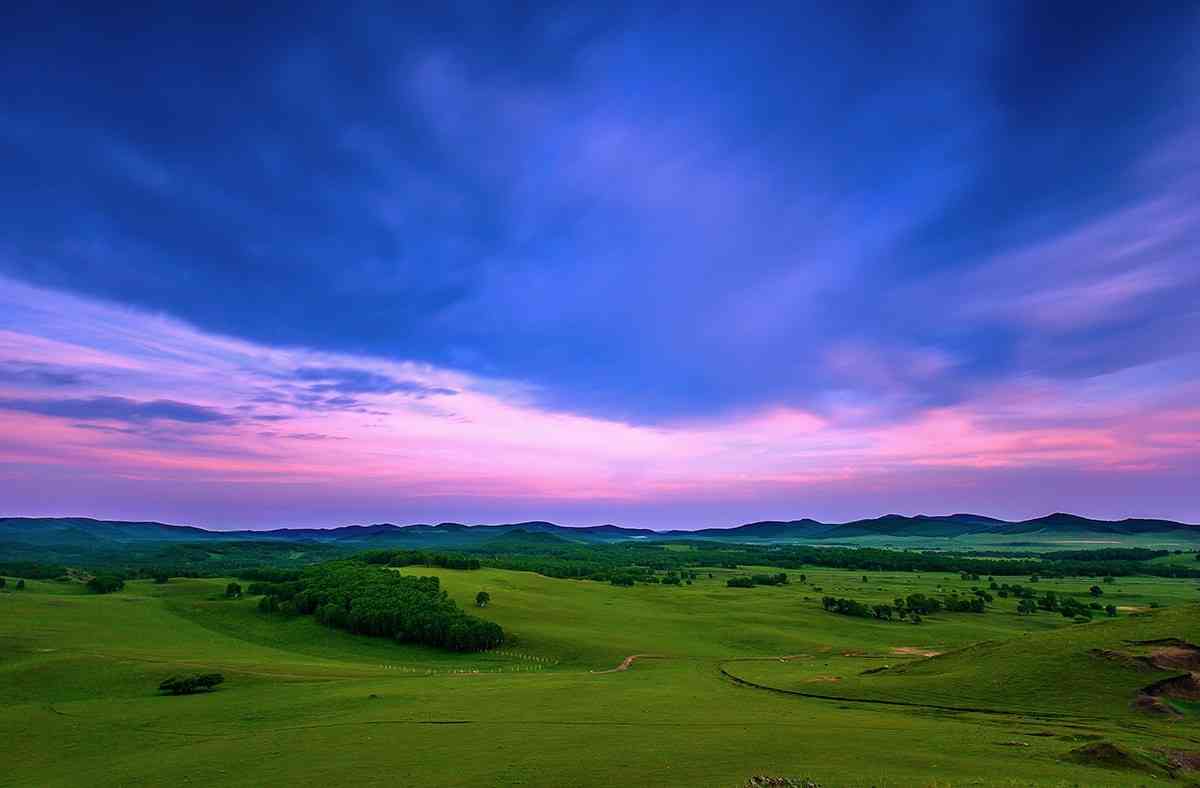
<point>974,528</point>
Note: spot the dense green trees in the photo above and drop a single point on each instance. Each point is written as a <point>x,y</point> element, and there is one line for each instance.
<point>105,584</point>
<point>233,590</point>
<point>482,599</point>
<point>419,558</point>
<point>911,607</point>
<point>846,607</point>
<point>371,600</point>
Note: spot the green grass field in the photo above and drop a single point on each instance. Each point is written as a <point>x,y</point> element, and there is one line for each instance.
<point>729,692</point>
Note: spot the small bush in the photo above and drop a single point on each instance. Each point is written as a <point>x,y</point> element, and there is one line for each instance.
<point>190,685</point>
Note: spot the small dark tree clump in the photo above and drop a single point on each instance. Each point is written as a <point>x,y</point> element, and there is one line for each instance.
<point>105,584</point>
<point>21,585</point>
<point>190,685</point>
<point>482,599</point>
<point>233,590</point>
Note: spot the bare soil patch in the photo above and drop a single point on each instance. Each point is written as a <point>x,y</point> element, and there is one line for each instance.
<point>919,651</point>
<point>1185,657</point>
<point>627,663</point>
<point>1182,760</point>
<point>1185,687</point>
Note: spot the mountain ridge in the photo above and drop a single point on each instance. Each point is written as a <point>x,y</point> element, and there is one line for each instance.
<point>74,530</point>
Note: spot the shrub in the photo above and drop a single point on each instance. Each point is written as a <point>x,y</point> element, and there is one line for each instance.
<point>190,685</point>
<point>105,584</point>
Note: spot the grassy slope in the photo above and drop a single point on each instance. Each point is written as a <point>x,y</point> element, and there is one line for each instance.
<point>77,674</point>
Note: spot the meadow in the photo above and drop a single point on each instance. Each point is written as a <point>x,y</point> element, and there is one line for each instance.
<point>731,683</point>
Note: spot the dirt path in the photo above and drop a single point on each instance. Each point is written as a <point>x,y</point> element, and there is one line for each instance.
<point>628,662</point>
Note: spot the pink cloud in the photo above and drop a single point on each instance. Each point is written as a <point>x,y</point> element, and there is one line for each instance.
<point>469,438</point>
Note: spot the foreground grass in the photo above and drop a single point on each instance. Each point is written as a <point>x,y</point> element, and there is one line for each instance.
<point>306,705</point>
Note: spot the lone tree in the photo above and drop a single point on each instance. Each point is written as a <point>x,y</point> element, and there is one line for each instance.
<point>3,582</point>
<point>21,585</point>
<point>1096,591</point>
<point>161,577</point>
<point>482,599</point>
<point>233,590</point>
<point>1110,611</point>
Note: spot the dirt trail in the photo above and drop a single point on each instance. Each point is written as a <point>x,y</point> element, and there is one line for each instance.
<point>628,662</point>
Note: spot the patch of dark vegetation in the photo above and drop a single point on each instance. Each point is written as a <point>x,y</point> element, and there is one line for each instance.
<point>32,570</point>
<point>749,581</point>
<point>1106,554</point>
<point>190,685</point>
<point>764,781</point>
<point>1106,755</point>
<point>372,600</point>
<point>105,584</point>
<point>911,607</point>
<point>419,558</point>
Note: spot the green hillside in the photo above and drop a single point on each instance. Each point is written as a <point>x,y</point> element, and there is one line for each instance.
<point>309,705</point>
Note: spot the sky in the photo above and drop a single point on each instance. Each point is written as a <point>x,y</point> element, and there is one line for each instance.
<point>662,266</point>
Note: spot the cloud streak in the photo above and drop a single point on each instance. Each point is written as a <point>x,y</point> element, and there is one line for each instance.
<point>484,448</point>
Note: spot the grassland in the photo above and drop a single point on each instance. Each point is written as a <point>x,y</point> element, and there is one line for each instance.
<point>306,705</point>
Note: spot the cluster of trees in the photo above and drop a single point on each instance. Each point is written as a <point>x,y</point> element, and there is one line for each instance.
<point>105,584</point>
<point>1068,607</point>
<point>749,581</point>
<point>371,600</point>
<point>190,685</point>
<point>675,578</point>
<point>32,570</point>
<point>19,585</point>
<point>419,558</point>
<point>269,574</point>
<point>912,607</point>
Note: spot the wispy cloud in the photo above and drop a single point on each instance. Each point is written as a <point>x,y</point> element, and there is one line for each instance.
<point>492,444</point>
<point>119,409</point>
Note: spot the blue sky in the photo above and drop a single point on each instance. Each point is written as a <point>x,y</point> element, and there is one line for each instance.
<point>658,217</point>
